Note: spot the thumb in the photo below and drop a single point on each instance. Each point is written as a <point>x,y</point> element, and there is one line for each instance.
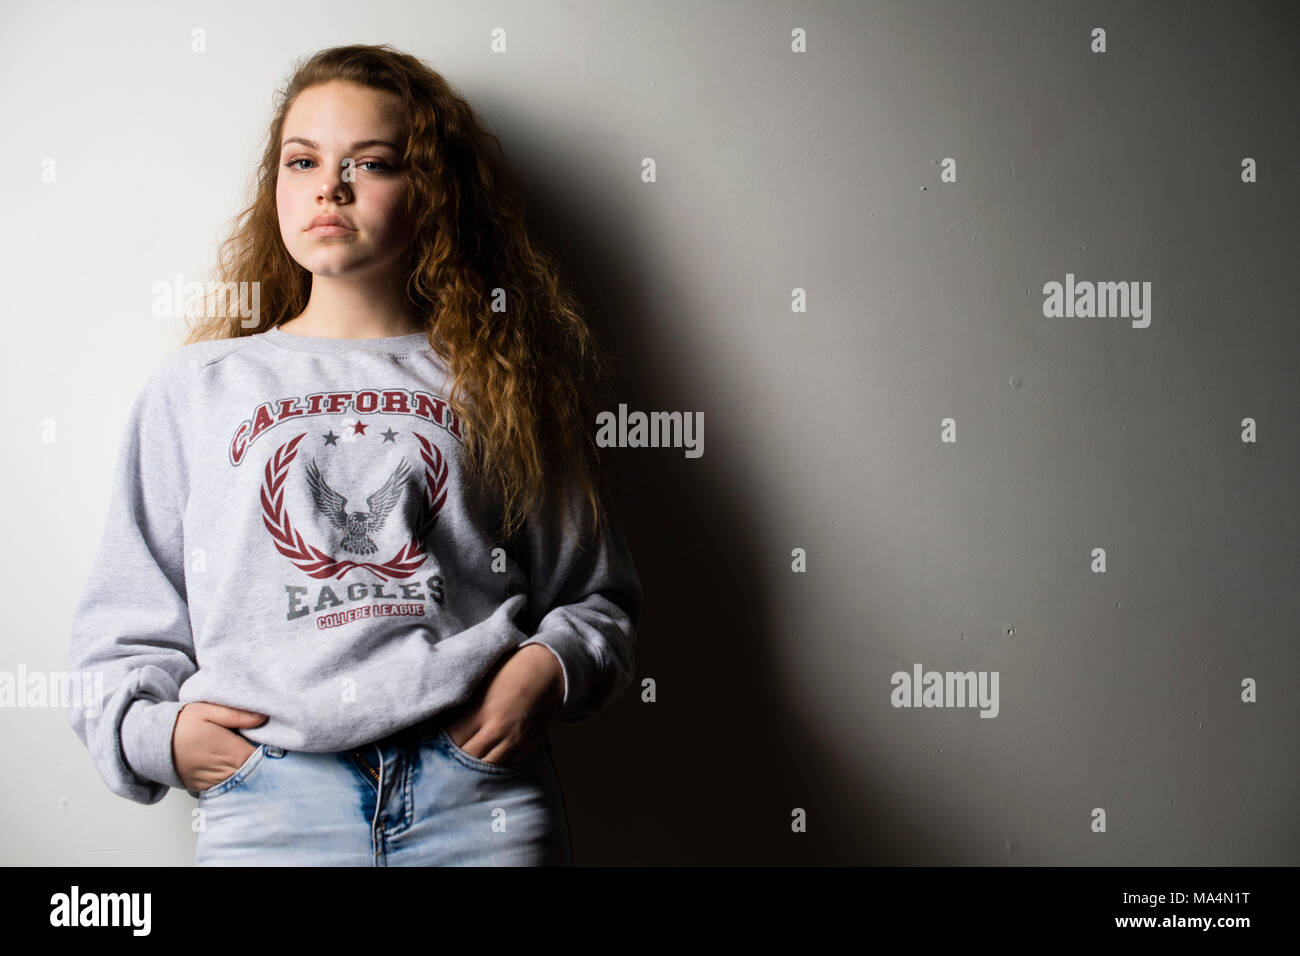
<point>232,716</point>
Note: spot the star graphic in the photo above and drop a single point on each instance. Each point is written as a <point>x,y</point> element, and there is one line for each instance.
<point>331,438</point>
<point>359,428</point>
<point>390,436</point>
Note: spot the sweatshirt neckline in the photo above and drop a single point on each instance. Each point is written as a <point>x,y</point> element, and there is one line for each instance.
<point>393,345</point>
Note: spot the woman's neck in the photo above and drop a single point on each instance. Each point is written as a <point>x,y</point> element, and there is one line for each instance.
<point>371,328</point>
<point>337,310</point>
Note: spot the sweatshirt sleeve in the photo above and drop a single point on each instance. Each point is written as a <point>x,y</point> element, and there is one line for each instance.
<point>131,627</point>
<point>586,602</point>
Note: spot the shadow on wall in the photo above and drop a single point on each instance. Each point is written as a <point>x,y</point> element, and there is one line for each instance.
<point>710,773</point>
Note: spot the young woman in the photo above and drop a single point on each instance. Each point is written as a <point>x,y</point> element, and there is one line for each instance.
<point>358,556</point>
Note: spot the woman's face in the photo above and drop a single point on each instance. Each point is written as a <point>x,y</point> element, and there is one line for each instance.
<point>340,156</point>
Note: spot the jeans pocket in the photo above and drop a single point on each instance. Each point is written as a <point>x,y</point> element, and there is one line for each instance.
<point>238,777</point>
<point>484,766</point>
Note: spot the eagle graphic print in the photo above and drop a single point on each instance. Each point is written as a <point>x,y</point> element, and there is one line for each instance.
<point>401,473</point>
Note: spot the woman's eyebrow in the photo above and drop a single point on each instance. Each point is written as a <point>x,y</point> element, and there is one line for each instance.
<point>360,144</point>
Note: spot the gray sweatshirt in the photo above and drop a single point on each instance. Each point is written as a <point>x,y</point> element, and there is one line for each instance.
<point>289,532</point>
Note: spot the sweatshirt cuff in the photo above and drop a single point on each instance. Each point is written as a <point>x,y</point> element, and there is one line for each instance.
<point>574,661</point>
<point>147,740</point>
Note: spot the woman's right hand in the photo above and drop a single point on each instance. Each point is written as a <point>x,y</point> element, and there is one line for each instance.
<point>204,751</point>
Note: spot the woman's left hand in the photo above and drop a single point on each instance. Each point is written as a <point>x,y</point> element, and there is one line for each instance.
<point>508,717</point>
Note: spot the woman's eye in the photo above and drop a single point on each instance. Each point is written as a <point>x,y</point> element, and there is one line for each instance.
<point>376,162</point>
<point>291,162</point>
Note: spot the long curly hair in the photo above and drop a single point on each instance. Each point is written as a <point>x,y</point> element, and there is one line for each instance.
<point>525,380</point>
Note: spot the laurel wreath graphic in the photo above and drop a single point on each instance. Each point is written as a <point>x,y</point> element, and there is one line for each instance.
<point>317,563</point>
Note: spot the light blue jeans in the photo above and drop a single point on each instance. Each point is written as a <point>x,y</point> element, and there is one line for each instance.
<point>412,799</point>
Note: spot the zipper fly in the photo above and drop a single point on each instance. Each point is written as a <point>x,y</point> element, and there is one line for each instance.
<point>374,773</point>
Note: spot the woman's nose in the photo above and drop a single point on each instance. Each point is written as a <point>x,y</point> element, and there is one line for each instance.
<point>334,183</point>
